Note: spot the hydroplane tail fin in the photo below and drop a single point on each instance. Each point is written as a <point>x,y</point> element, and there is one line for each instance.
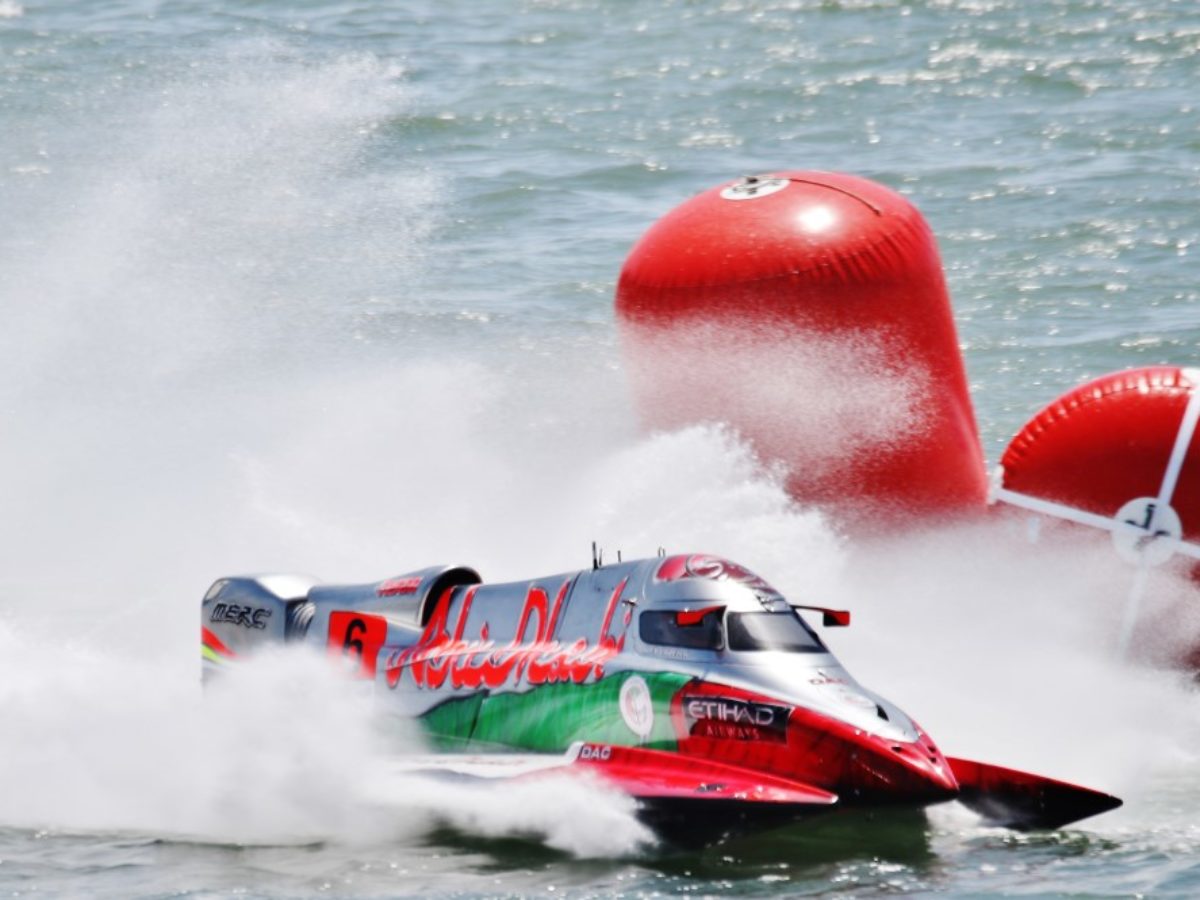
<point>1022,800</point>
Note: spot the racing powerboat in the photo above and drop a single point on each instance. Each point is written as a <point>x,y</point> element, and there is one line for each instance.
<point>685,681</point>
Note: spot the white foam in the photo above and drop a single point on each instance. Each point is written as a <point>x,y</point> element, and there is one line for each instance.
<point>819,402</point>
<point>279,751</point>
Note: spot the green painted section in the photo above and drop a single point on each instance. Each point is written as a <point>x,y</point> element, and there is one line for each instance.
<point>552,717</point>
<point>450,724</point>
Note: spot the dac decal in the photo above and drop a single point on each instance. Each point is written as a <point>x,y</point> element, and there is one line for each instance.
<point>598,752</point>
<point>637,709</point>
<point>739,720</point>
<point>357,637</point>
<point>246,616</point>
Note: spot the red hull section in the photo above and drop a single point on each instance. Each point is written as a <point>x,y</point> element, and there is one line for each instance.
<point>659,774</point>
<point>694,802</point>
<point>809,747</point>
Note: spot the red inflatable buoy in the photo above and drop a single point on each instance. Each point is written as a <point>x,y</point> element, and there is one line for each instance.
<point>809,311</point>
<point>1117,453</point>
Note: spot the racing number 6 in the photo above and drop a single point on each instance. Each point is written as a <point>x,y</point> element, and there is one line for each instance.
<point>357,636</point>
<point>352,642</point>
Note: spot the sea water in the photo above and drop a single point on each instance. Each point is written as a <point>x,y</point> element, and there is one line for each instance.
<point>326,287</point>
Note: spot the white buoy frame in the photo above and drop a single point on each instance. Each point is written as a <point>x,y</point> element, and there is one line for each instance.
<point>1146,531</point>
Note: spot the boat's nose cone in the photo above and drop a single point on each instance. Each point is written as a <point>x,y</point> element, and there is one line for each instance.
<point>926,775</point>
<point>888,771</point>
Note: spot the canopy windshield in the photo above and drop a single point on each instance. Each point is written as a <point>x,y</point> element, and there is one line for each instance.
<point>662,627</point>
<point>784,631</point>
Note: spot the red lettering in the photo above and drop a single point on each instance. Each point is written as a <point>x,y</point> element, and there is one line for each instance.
<point>530,656</point>
<point>612,606</point>
<point>558,602</point>
<point>434,635</point>
<point>535,601</point>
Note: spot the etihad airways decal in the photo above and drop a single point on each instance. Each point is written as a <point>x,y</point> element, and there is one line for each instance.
<point>734,719</point>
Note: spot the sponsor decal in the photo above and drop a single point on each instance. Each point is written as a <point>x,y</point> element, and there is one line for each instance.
<point>442,658</point>
<point>357,637</point>
<point>852,697</point>
<point>714,568</point>
<point>637,709</point>
<point>822,678</point>
<point>396,587</point>
<point>739,720</point>
<point>665,652</point>
<point>596,752</point>
<point>246,616</point>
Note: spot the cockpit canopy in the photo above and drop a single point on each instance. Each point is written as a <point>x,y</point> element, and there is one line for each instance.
<point>700,602</point>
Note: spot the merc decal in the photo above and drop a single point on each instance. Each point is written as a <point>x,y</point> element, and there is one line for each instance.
<point>246,616</point>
